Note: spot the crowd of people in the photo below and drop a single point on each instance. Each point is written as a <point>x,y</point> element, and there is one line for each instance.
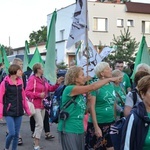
<point>97,104</point>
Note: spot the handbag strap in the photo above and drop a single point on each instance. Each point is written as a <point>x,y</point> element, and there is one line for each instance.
<point>121,100</point>
<point>67,104</point>
<point>34,85</point>
<point>44,83</point>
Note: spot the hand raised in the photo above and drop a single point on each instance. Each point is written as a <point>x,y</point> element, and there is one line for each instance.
<point>60,80</point>
<point>42,95</point>
<point>116,79</point>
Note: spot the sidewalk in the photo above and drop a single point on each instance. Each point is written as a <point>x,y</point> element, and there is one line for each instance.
<point>27,140</point>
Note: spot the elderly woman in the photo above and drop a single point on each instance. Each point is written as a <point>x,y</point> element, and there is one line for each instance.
<point>136,131</point>
<point>102,111</point>
<point>71,130</point>
<point>143,67</point>
<point>120,94</point>
<point>37,89</point>
<point>133,97</point>
<point>13,104</point>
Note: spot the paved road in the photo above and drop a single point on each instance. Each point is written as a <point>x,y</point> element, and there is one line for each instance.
<point>27,140</point>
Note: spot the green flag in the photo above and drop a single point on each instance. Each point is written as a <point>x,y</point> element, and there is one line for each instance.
<point>5,59</point>
<point>1,57</point>
<point>36,59</point>
<point>27,47</point>
<point>26,58</point>
<point>142,56</point>
<point>50,62</point>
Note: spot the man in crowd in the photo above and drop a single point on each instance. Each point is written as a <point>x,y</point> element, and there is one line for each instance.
<point>126,80</point>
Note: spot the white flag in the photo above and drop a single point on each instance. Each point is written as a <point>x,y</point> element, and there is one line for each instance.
<point>105,52</point>
<point>89,60</point>
<point>79,24</point>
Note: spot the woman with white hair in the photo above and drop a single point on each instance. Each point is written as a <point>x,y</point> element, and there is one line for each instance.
<point>143,67</point>
<point>120,94</point>
<point>101,111</point>
<point>70,126</point>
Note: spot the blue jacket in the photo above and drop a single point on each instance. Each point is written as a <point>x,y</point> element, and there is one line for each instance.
<point>135,128</point>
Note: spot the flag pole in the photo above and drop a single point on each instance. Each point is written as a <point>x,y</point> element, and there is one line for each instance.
<point>86,35</point>
<point>87,46</point>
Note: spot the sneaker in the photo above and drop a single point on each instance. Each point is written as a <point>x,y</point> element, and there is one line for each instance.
<point>37,148</point>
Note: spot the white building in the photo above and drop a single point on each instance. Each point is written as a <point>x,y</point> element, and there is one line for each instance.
<point>105,20</point>
<point>19,52</point>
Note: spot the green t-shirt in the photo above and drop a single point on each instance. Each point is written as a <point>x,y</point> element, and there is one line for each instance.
<point>147,140</point>
<point>74,123</point>
<point>126,81</point>
<point>122,94</point>
<point>104,105</point>
<point>120,98</point>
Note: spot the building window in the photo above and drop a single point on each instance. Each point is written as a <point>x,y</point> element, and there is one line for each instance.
<point>119,22</point>
<point>100,24</point>
<point>130,23</point>
<point>146,27</point>
<point>62,34</point>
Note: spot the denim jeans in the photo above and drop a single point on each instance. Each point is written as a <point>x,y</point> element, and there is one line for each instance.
<point>13,125</point>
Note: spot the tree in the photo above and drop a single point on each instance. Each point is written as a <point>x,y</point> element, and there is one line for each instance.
<point>61,65</point>
<point>9,50</point>
<point>38,36</point>
<point>126,47</point>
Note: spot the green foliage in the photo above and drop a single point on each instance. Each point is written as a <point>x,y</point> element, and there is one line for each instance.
<point>126,47</point>
<point>38,36</point>
<point>62,65</point>
<point>9,50</point>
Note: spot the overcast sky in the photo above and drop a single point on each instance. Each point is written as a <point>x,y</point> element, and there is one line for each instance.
<point>18,18</point>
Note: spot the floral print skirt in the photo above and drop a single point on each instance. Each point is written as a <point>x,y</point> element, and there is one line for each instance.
<point>94,143</point>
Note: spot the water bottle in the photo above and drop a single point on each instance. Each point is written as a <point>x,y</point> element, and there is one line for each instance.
<point>55,105</point>
<point>54,100</point>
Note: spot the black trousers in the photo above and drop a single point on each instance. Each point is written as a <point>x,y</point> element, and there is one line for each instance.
<point>45,122</point>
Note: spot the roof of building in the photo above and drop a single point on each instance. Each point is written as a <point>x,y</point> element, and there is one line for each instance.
<point>22,48</point>
<point>138,7</point>
<point>61,8</point>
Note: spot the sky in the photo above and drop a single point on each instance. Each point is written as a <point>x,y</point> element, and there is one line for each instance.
<point>19,18</point>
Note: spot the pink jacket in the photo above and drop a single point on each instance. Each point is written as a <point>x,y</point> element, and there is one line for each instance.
<point>2,92</point>
<point>41,85</point>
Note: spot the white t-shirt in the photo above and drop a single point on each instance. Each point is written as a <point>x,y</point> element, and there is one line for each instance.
<point>129,99</point>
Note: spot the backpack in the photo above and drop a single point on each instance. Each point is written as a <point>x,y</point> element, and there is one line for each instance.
<point>56,103</point>
<point>117,127</point>
<point>116,132</point>
<point>2,75</point>
<point>47,104</point>
<point>134,93</point>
